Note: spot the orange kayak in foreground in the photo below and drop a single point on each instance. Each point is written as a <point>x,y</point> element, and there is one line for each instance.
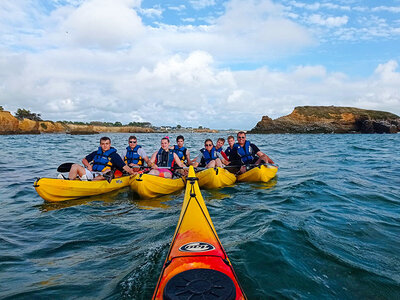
<point>197,266</point>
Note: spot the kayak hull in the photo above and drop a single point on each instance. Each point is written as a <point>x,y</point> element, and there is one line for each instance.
<point>260,173</point>
<point>214,178</point>
<point>150,186</point>
<point>196,250</point>
<point>54,189</point>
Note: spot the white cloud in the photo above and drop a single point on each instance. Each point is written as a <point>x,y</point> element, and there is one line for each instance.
<point>101,23</point>
<point>200,4</point>
<point>328,21</point>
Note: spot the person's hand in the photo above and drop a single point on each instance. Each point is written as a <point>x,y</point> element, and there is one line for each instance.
<point>89,167</point>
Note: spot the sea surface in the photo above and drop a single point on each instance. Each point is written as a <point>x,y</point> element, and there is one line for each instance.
<point>327,227</point>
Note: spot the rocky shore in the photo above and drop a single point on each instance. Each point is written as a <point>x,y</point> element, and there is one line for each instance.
<point>330,119</point>
<point>11,125</point>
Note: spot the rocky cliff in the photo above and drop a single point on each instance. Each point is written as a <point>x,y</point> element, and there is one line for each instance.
<point>11,125</point>
<point>330,119</point>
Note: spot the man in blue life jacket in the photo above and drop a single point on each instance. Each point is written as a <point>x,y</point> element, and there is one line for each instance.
<point>134,155</point>
<point>247,153</point>
<point>208,157</point>
<point>103,159</point>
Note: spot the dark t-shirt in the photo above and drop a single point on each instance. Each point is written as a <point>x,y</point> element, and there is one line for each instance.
<point>116,160</point>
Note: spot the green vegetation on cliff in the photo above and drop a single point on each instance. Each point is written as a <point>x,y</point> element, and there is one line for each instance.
<point>27,114</point>
<point>335,112</point>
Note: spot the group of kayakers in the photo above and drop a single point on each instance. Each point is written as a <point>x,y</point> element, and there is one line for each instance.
<point>168,159</point>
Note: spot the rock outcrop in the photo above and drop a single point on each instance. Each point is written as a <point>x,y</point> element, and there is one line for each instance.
<point>11,125</point>
<point>330,119</point>
<point>8,123</point>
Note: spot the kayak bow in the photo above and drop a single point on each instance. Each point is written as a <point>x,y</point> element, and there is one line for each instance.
<point>196,266</point>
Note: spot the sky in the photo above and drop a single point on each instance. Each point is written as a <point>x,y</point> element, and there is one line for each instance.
<point>211,63</point>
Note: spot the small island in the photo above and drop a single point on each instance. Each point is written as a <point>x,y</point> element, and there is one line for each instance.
<point>330,119</point>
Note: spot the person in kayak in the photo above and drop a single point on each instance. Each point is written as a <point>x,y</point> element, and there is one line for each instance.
<point>228,150</point>
<point>218,148</point>
<point>247,153</point>
<point>103,159</point>
<point>134,155</point>
<point>163,160</point>
<point>209,157</point>
<point>182,152</point>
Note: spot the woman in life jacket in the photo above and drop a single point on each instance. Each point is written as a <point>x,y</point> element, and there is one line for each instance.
<point>163,160</point>
<point>208,157</point>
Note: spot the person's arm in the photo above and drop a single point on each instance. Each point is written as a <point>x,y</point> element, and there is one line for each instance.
<point>178,161</point>
<point>129,170</point>
<point>197,160</point>
<point>224,156</point>
<point>86,161</point>
<point>152,161</point>
<point>265,157</point>
<point>117,161</point>
<point>87,164</point>
<point>189,162</point>
<point>221,157</point>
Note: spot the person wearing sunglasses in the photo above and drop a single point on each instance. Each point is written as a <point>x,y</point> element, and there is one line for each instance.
<point>134,155</point>
<point>162,161</point>
<point>208,157</point>
<point>247,153</point>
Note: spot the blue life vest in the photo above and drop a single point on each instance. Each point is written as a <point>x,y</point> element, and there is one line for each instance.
<point>132,156</point>
<point>218,150</point>
<point>164,159</point>
<point>244,152</point>
<point>207,156</point>
<point>180,152</point>
<point>102,161</point>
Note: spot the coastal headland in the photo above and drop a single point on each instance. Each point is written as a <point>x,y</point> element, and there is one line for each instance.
<point>11,125</point>
<point>330,119</point>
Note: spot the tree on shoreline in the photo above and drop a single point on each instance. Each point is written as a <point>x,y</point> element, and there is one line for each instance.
<point>27,114</point>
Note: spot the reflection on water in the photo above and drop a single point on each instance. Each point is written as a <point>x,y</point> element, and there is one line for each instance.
<point>264,185</point>
<point>105,198</point>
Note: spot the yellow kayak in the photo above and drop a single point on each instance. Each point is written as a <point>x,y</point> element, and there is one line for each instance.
<point>197,266</point>
<point>150,186</point>
<point>215,178</point>
<point>54,189</point>
<point>260,173</point>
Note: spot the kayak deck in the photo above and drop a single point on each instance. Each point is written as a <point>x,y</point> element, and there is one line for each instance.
<point>215,178</point>
<point>150,186</point>
<point>54,189</point>
<point>196,266</point>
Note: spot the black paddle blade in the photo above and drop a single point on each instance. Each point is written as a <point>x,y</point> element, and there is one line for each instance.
<point>65,167</point>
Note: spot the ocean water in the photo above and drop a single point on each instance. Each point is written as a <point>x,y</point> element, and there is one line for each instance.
<point>327,227</point>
